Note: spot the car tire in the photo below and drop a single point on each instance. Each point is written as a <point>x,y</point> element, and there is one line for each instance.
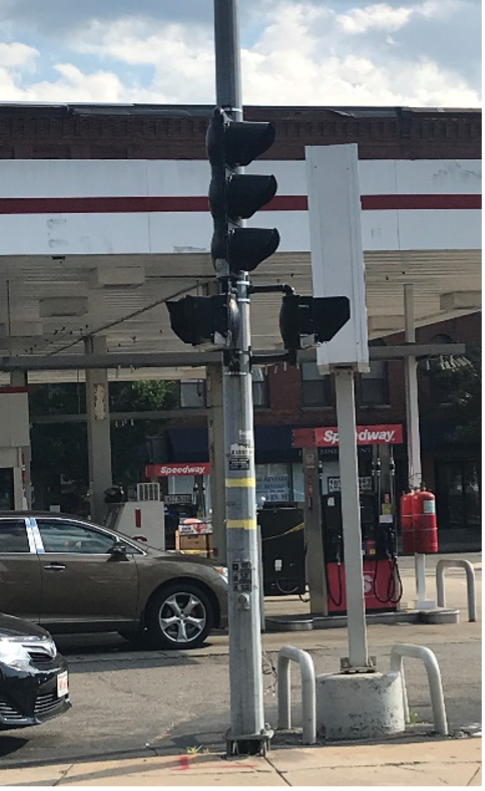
<point>179,616</point>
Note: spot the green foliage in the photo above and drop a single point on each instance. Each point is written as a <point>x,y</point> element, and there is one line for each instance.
<point>142,396</point>
<point>62,447</point>
<point>462,389</point>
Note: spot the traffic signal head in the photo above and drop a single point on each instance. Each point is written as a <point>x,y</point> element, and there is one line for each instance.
<point>198,320</point>
<point>234,196</point>
<point>306,321</point>
<point>241,141</point>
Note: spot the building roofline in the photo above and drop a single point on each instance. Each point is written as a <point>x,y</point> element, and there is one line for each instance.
<point>198,110</point>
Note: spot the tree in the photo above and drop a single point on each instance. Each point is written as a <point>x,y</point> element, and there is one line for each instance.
<point>462,389</point>
<point>62,447</point>
<point>143,396</point>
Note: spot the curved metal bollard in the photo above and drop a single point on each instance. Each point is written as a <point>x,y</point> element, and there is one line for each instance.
<point>434,678</point>
<point>470,583</point>
<point>308,692</point>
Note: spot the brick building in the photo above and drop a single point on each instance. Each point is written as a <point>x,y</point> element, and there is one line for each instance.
<point>288,397</point>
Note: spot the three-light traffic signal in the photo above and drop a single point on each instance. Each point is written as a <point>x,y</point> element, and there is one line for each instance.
<point>235,196</point>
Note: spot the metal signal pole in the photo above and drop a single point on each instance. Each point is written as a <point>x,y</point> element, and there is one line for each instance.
<point>247,733</point>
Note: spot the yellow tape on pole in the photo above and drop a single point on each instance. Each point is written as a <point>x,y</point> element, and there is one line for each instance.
<point>246,524</point>
<point>241,483</point>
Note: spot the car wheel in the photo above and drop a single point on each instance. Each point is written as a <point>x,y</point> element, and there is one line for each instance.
<point>179,616</point>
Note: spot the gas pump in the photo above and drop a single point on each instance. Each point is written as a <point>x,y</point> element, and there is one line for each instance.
<point>383,583</point>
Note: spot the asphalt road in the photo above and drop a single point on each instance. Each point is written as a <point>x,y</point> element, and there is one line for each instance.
<point>136,700</point>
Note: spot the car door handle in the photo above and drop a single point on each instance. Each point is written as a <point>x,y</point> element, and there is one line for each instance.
<point>54,567</point>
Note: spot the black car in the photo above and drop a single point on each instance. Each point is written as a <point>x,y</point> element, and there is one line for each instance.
<point>33,675</point>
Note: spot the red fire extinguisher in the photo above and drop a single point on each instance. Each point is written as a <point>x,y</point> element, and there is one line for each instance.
<point>424,520</point>
<point>407,522</point>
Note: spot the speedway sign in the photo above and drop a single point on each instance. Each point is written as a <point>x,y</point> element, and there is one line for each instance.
<point>327,436</point>
<point>182,468</point>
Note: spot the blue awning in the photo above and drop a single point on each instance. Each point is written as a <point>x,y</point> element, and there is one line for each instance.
<point>273,444</point>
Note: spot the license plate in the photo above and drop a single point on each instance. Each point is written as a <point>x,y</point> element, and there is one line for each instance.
<point>62,685</point>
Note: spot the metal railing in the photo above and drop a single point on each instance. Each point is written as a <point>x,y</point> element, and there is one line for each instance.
<point>398,652</point>
<point>308,691</point>
<point>470,583</point>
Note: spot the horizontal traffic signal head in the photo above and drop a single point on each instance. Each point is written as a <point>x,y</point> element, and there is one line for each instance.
<point>306,321</point>
<point>198,320</point>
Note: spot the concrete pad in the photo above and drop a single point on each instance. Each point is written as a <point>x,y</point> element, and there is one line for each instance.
<point>173,769</point>
<point>417,775</point>
<point>440,751</point>
<point>34,775</point>
<point>193,781</point>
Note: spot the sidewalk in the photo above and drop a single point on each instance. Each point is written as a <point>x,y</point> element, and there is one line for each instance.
<point>444,762</point>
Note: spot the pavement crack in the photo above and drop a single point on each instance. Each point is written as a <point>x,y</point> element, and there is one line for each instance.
<point>477,770</point>
<point>278,772</point>
<point>63,774</point>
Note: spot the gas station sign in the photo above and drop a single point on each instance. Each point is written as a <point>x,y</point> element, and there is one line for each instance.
<point>327,436</point>
<point>182,468</point>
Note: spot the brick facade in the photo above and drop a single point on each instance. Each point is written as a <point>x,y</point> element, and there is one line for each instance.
<point>178,132</point>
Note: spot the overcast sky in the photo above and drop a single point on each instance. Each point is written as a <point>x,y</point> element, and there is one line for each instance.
<point>345,52</point>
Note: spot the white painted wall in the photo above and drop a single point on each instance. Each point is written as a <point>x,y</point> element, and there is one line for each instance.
<point>158,232</point>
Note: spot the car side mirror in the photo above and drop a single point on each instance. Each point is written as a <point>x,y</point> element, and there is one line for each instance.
<point>118,551</point>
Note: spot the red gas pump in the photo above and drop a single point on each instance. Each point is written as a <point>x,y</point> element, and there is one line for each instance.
<point>424,522</point>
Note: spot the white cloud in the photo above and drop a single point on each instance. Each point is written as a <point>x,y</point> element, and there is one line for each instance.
<point>304,52</point>
<point>383,16</point>
<point>325,67</point>
<point>100,86</point>
<point>17,54</point>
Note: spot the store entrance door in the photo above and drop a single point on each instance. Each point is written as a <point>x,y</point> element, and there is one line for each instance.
<point>7,501</point>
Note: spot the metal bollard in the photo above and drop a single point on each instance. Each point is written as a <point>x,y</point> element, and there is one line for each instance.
<point>434,679</point>
<point>308,692</point>
<point>470,586</point>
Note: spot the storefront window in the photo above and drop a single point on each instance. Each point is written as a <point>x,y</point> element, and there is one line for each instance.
<point>373,385</point>
<point>6,489</point>
<point>260,388</point>
<point>458,494</point>
<point>273,483</point>
<point>316,389</point>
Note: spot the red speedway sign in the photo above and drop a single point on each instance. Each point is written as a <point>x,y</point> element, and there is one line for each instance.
<point>327,436</point>
<point>183,468</point>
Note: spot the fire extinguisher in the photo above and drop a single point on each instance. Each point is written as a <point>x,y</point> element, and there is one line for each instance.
<point>407,522</point>
<point>424,520</point>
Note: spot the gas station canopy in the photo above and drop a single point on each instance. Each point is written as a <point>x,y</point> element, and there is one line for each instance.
<point>96,247</point>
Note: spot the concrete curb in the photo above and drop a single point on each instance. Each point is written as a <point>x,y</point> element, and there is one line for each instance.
<point>299,623</point>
